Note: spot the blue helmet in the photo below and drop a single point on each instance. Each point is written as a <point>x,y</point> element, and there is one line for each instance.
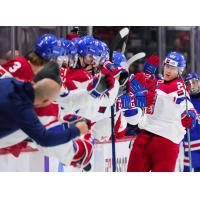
<point>88,46</point>
<point>101,52</point>
<point>192,76</point>
<point>75,40</point>
<point>190,80</point>
<point>176,59</point>
<point>46,46</point>
<point>69,47</point>
<point>68,53</point>
<point>119,59</point>
<point>120,67</point>
<point>104,51</point>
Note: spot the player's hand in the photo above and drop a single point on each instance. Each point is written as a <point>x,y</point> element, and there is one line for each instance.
<point>189,120</point>
<point>137,82</point>
<point>151,64</point>
<point>83,147</point>
<point>110,80</point>
<point>150,98</point>
<point>144,99</point>
<point>101,83</point>
<point>151,82</point>
<point>82,126</point>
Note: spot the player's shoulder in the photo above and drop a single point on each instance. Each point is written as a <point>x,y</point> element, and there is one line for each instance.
<point>175,85</point>
<point>79,75</point>
<point>19,59</point>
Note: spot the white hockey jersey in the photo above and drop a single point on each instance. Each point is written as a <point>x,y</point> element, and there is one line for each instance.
<point>164,118</point>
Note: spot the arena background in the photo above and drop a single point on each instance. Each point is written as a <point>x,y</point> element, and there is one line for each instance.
<point>150,39</point>
<point>158,40</point>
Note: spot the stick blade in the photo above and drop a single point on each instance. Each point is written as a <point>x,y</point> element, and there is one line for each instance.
<point>135,58</point>
<point>119,37</point>
<point>124,32</point>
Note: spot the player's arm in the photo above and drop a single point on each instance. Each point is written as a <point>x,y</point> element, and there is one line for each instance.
<point>188,113</point>
<point>109,99</point>
<point>30,124</point>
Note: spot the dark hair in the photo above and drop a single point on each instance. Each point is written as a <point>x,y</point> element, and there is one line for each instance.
<point>51,70</point>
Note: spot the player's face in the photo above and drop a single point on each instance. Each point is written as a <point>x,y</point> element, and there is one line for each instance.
<point>193,86</point>
<point>62,61</point>
<point>89,59</point>
<point>170,72</point>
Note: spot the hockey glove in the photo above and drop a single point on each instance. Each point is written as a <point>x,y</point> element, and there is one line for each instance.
<point>151,64</point>
<point>101,83</point>
<point>83,151</point>
<point>140,99</point>
<point>137,82</point>
<point>115,70</point>
<point>189,120</point>
<point>125,102</point>
<point>151,82</point>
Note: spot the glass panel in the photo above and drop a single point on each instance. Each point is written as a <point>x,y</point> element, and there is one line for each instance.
<point>5,43</point>
<point>27,35</point>
<point>179,39</point>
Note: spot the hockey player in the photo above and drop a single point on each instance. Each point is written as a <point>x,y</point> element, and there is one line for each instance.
<point>146,81</point>
<point>156,147</point>
<point>90,49</point>
<point>25,68</point>
<point>47,48</point>
<point>97,51</point>
<point>193,83</point>
<point>76,152</point>
<point>80,79</point>
<point>73,75</point>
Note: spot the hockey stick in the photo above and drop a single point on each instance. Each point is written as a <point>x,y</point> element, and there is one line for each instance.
<point>121,35</point>
<point>126,40</point>
<point>187,129</point>
<point>135,58</point>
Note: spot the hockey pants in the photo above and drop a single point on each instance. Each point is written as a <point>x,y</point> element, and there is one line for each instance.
<point>151,152</point>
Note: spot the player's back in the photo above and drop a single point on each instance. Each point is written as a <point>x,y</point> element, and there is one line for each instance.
<point>19,68</point>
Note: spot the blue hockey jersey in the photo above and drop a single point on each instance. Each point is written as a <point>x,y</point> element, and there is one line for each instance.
<point>195,140</point>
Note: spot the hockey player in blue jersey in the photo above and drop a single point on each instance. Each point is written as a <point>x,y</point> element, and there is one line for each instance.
<point>193,83</point>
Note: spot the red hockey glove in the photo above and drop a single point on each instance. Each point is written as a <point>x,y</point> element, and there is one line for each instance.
<point>83,151</point>
<point>137,82</point>
<point>151,64</point>
<point>150,98</point>
<point>151,82</point>
<point>110,80</point>
<point>189,121</point>
<point>101,83</point>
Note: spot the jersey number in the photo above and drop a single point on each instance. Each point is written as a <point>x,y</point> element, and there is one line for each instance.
<point>15,67</point>
<point>180,85</point>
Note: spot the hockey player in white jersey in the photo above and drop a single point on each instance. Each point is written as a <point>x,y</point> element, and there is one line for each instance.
<point>163,126</point>
<point>99,110</point>
<point>49,117</point>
